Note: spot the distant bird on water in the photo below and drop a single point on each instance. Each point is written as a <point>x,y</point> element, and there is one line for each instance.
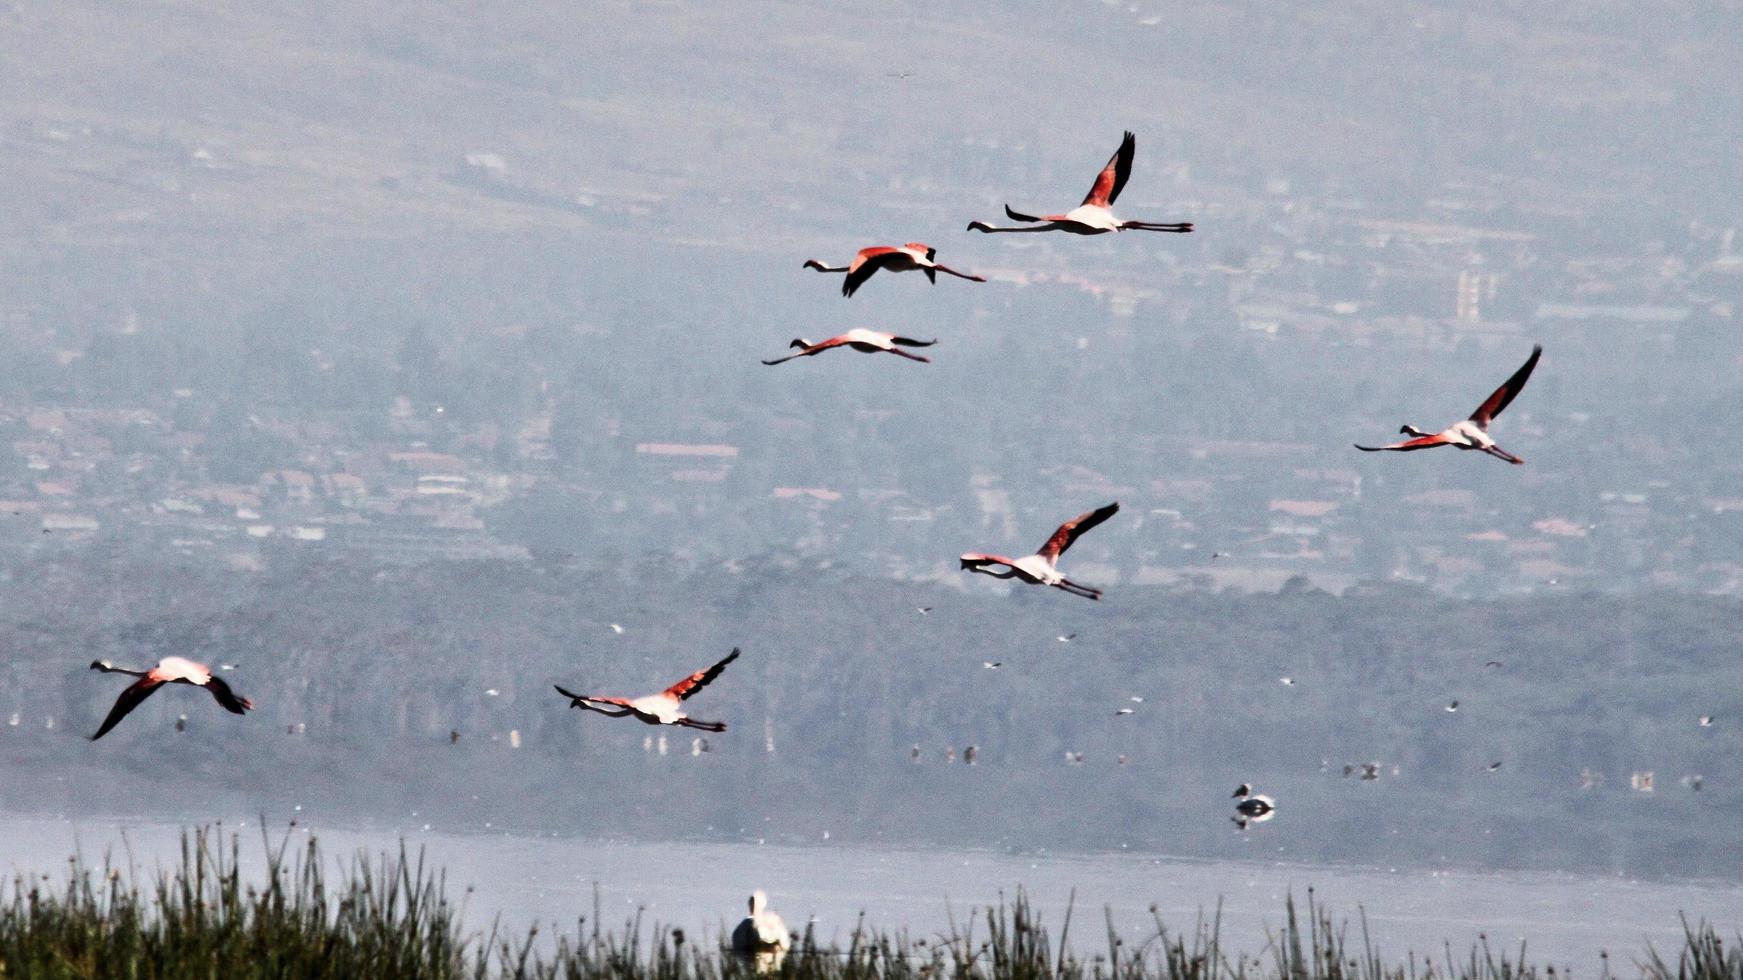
<point>907,258</point>
<point>656,709</point>
<point>1039,568</point>
<point>1472,433</point>
<point>1253,808</point>
<point>868,341</point>
<point>169,670</point>
<point>1095,215</point>
<point>761,935</point>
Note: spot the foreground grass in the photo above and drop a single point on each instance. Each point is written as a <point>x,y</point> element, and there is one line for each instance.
<point>389,919</point>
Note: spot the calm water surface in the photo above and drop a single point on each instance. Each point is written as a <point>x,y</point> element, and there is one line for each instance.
<point>1566,920</point>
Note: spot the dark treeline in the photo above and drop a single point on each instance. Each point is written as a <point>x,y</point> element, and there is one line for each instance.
<point>364,676</point>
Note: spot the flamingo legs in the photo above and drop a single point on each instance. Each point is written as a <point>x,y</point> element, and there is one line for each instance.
<point>707,726</point>
<point>1075,589</point>
<point>1179,227</point>
<point>933,270</point>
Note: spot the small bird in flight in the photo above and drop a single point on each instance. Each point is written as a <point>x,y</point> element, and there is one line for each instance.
<point>656,709</point>
<point>865,341</point>
<point>1472,433</point>
<point>169,670</point>
<point>1095,215</point>
<point>1040,567</point>
<point>907,258</point>
<point>1453,706</point>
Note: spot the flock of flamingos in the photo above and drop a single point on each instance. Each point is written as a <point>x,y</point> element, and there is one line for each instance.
<point>1093,217</point>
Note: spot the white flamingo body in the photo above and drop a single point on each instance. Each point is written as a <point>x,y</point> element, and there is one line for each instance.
<point>1095,215</point>
<point>1041,568</point>
<point>762,931</point>
<point>169,670</point>
<point>664,708</point>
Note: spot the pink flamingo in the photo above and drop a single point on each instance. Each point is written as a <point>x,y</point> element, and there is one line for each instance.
<point>1095,215</point>
<point>1039,568</point>
<point>169,670</point>
<point>1472,433</point>
<point>656,709</point>
<point>869,341</point>
<point>909,257</point>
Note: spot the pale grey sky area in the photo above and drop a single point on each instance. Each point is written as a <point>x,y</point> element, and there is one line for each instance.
<point>394,352</point>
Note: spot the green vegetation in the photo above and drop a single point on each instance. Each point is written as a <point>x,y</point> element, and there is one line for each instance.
<point>389,918</point>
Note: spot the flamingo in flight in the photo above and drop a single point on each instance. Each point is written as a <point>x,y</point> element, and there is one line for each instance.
<point>1472,433</point>
<point>169,670</point>
<point>914,255</point>
<point>1095,215</point>
<point>1040,567</point>
<point>656,709</point>
<point>869,341</point>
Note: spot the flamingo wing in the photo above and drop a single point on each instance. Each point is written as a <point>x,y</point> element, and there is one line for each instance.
<point>1421,442</point>
<point>1014,216</point>
<point>1073,529</point>
<point>227,698</point>
<point>1504,395</point>
<point>868,261</point>
<point>687,687</point>
<point>1112,178</point>
<point>136,692</point>
<point>909,342</point>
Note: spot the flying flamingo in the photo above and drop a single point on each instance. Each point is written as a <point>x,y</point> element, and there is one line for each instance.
<point>169,670</point>
<point>869,341</point>
<point>1095,215</point>
<point>657,709</point>
<point>1038,568</point>
<point>909,257</point>
<point>1472,433</point>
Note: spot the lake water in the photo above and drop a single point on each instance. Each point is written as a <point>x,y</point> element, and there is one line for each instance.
<point>1565,920</point>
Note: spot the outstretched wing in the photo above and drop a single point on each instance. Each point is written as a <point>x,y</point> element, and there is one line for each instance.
<point>910,342</point>
<point>1421,442</point>
<point>227,698</point>
<point>868,261</point>
<point>1112,178</point>
<point>1071,530</point>
<point>136,692</point>
<point>1503,395</point>
<point>687,687</point>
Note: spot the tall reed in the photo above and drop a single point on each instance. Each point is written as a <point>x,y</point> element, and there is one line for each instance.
<point>388,918</point>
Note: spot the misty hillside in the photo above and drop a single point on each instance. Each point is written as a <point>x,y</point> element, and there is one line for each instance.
<point>392,353</point>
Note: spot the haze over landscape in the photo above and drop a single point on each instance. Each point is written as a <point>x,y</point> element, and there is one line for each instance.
<point>406,359</point>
